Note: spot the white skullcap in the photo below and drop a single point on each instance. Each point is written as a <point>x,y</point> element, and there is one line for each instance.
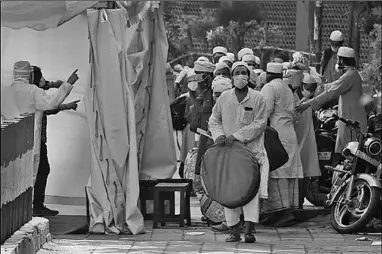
<point>204,66</point>
<point>237,64</point>
<point>258,71</point>
<point>221,84</point>
<point>220,66</point>
<point>248,58</point>
<point>336,36</point>
<point>22,69</point>
<point>244,51</point>
<point>346,52</point>
<point>203,58</point>
<point>231,56</point>
<point>225,58</point>
<point>257,60</point>
<point>294,77</point>
<point>308,79</point>
<point>275,68</point>
<point>219,49</point>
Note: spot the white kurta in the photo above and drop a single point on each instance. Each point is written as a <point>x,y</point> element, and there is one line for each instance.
<point>307,142</point>
<point>230,117</point>
<point>280,105</point>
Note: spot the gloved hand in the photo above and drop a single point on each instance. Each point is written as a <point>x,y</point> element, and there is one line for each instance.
<point>220,140</point>
<point>72,105</point>
<point>73,77</point>
<point>229,140</point>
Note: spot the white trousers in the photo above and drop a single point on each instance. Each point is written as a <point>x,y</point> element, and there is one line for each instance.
<point>251,212</point>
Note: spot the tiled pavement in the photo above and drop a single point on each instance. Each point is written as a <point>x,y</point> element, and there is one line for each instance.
<point>293,240</point>
<point>313,236</point>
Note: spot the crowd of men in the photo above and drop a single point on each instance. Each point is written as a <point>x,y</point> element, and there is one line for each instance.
<point>233,99</point>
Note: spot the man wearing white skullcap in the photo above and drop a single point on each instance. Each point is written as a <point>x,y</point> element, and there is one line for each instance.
<point>222,69</point>
<point>231,56</point>
<point>348,89</point>
<point>201,110</point>
<point>184,78</point>
<point>32,98</point>
<point>283,182</point>
<point>250,60</point>
<point>305,131</point>
<point>227,60</point>
<point>219,85</point>
<point>329,59</point>
<point>240,115</point>
<point>218,52</point>
<point>243,52</point>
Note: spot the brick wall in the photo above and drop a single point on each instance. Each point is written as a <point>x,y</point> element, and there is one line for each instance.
<point>283,14</point>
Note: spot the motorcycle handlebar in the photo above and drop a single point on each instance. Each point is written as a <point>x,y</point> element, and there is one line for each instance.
<point>348,122</point>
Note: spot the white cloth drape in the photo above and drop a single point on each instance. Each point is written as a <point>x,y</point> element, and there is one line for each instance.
<point>114,181</point>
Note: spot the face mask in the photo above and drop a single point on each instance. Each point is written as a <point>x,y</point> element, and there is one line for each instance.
<point>334,49</point>
<point>193,86</point>
<point>305,93</point>
<point>250,67</point>
<point>339,67</point>
<point>240,81</point>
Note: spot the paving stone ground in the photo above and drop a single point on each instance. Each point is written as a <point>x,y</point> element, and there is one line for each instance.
<point>172,239</point>
<point>312,236</point>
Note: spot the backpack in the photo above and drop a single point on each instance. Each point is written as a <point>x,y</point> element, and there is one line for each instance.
<point>178,108</point>
<point>277,155</point>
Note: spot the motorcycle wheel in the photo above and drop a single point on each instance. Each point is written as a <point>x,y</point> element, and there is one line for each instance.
<point>315,193</point>
<point>351,217</point>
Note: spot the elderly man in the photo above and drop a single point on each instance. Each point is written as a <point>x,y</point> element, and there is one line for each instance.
<point>222,69</point>
<point>240,115</point>
<point>252,65</point>
<point>243,52</point>
<point>202,108</point>
<point>283,182</point>
<point>348,88</point>
<point>218,52</point>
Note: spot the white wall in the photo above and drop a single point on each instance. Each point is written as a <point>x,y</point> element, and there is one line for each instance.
<point>58,52</point>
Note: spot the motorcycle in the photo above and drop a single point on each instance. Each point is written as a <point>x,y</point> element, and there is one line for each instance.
<point>355,196</point>
<point>317,188</point>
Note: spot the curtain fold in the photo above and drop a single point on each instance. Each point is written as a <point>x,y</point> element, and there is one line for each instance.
<point>147,55</point>
<point>113,188</point>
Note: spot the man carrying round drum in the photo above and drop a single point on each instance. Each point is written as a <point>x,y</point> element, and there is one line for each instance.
<point>240,115</point>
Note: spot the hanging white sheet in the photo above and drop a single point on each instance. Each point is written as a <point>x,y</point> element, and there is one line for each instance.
<point>114,182</point>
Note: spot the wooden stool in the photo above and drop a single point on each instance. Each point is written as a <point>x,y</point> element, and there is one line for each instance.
<point>185,213</point>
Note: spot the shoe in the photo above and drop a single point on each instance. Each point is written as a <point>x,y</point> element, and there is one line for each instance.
<point>249,239</point>
<point>44,211</point>
<point>222,227</point>
<point>232,238</point>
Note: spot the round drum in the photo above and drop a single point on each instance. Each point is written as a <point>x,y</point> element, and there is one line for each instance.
<point>230,175</point>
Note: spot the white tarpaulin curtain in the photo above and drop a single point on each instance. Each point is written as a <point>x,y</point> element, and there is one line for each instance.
<point>114,183</point>
<point>40,15</point>
<point>147,55</point>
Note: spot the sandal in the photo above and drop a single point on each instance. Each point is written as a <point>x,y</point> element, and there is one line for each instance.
<point>232,238</point>
<point>250,239</point>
